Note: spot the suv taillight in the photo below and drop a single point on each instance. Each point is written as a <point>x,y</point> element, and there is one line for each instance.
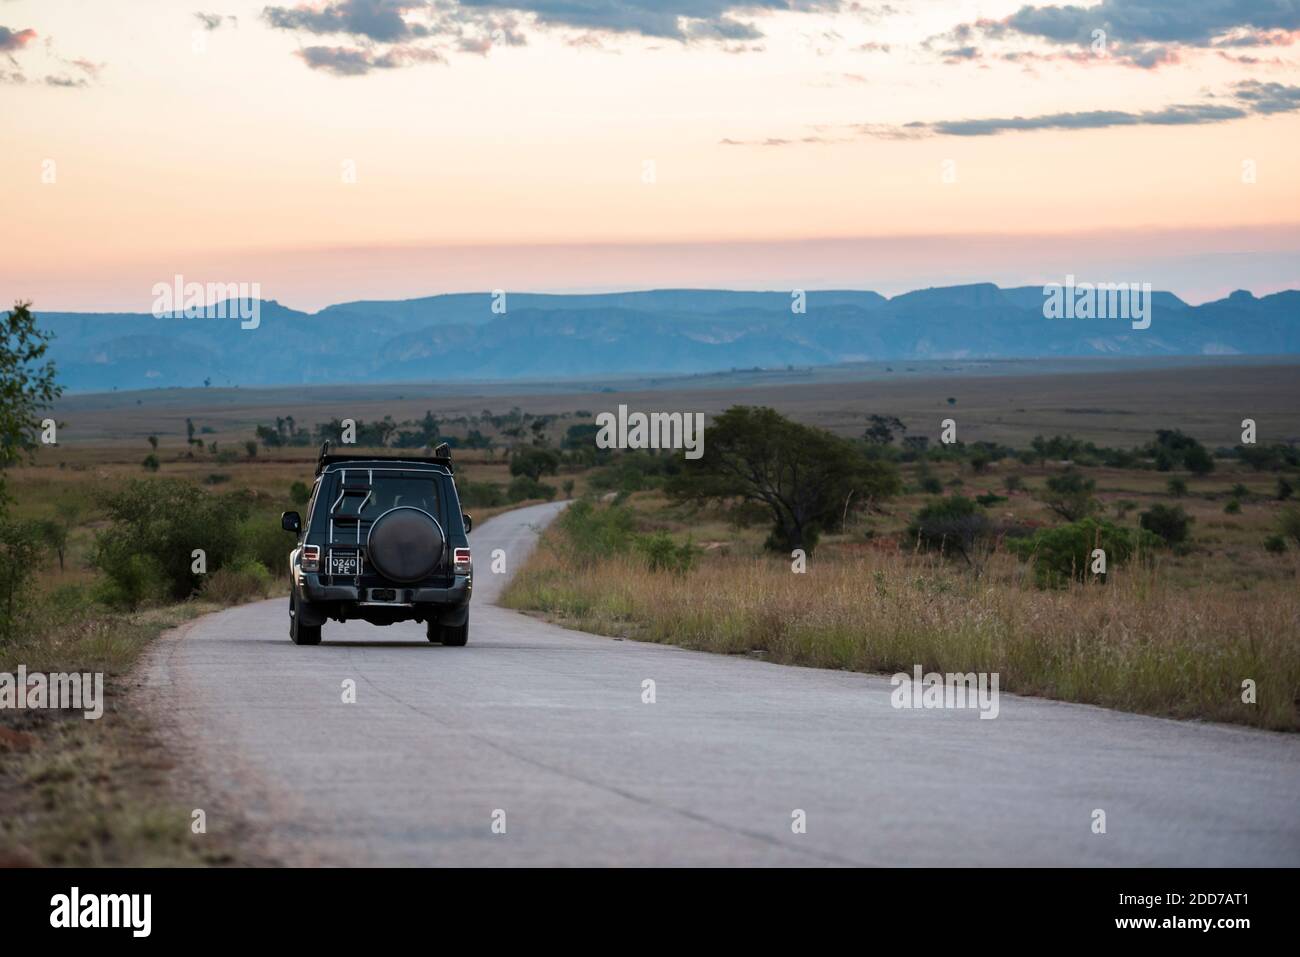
<point>310,560</point>
<point>460,561</point>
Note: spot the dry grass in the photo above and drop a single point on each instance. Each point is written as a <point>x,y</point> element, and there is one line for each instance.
<point>75,792</point>
<point>1138,643</point>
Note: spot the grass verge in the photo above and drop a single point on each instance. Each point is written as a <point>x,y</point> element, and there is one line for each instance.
<point>78,792</point>
<point>1137,643</point>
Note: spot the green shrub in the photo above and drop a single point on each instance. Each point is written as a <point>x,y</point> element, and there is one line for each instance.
<point>525,487</point>
<point>593,533</point>
<point>131,579</point>
<point>480,494</point>
<point>150,463</point>
<point>1233,507</point>
<point>1171,523</point>
<point>951,525</point>
<point>989,499</point>
<point>1176,487</point>
<point>164,521</point>
<point>263,540</point>
<point>1275,544</point>
<point>299,493</point>
<point>1063,554</point>
<point>663,554</point>
<point>240,581</point>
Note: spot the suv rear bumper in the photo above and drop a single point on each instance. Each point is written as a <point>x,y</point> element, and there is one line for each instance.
<point>458,593</point>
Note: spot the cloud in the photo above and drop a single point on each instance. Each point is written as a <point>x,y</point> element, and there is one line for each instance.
<point>475,26</point>
<point>1179,115</point>
<point>1248,98</point>
<point>215,21</point>
<point>1269,98</point>
<point>88,67</point>
<point>777,141</point>
<point>1142,33</point>
<point>383,21</point>
<point>11,41</point>
<point>356,61</point>
<point>665,19</point>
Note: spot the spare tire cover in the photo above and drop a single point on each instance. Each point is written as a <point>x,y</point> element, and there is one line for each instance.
<point>405,544</point>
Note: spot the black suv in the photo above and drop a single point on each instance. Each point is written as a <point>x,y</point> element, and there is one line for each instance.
<point>384,541</point>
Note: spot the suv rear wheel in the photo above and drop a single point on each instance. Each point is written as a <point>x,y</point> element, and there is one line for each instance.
<point>299,633</point>
<point>453,636</point>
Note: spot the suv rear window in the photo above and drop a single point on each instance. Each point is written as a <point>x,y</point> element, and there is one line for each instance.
<point>388,491</point>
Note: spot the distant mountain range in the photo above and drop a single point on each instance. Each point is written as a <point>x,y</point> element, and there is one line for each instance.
<point>459,337</point>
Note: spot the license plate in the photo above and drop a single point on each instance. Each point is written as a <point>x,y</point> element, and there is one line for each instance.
<point>343,564</point>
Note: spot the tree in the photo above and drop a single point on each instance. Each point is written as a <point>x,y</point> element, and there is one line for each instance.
<point>1172,448</point>
<point>1169,522</point>
<point>951,525</point>
<point>153,442</point>
<point>807,478</point>
<point>882,429</point>
<point>269,437</point>
<point>1198,460</point>
<point>27,386</point>
<point>21,546</point>
<point>250,447</point>
<point>54,534</point>
<point>1069,495</point>
<point>534,463</point>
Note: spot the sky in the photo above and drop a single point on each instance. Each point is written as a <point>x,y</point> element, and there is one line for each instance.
<point>360,149</point>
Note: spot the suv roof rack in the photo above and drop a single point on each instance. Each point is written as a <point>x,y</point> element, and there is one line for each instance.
<point>441,456</point>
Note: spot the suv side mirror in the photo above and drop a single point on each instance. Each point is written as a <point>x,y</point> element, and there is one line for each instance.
<point>291,522</point>
<point>468,520</point>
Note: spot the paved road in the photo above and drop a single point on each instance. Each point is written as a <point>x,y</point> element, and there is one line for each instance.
<point>548,726</point>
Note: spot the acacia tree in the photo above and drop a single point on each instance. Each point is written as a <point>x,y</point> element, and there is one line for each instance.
<point>807,478</point>
<point>1069,495</point>
<point>534,462</point>
<point>27,386</point>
